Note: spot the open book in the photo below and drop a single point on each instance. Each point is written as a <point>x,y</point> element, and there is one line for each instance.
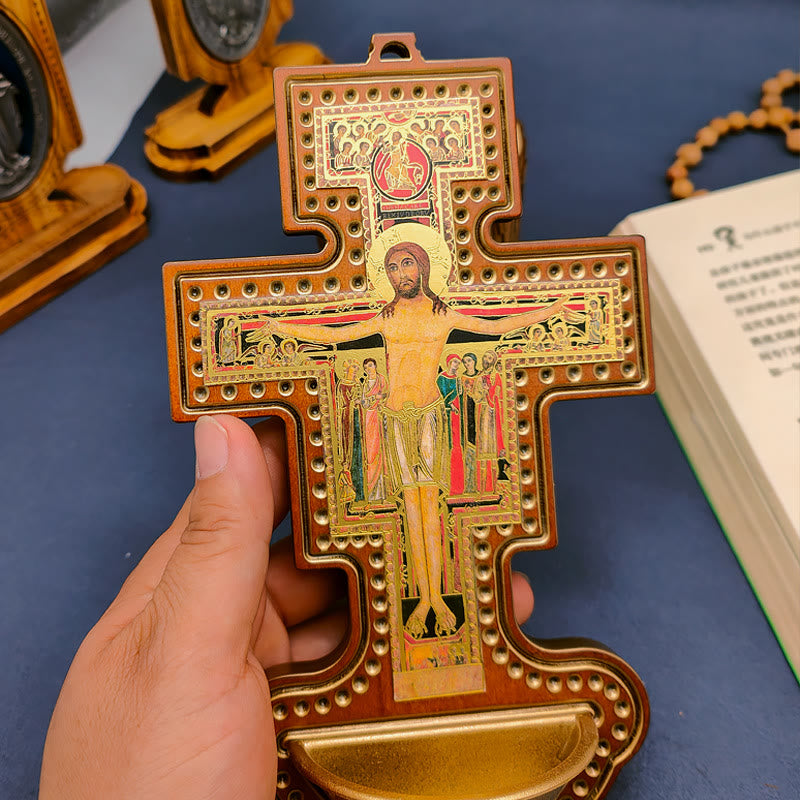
<point>724,274</point>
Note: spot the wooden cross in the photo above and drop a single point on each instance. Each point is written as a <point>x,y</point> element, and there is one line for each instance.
<point>414,360</point>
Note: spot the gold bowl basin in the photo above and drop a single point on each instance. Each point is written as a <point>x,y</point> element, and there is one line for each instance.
<point>512,754</point>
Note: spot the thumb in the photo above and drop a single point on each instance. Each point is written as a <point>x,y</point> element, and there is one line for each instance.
<point>210,590</point>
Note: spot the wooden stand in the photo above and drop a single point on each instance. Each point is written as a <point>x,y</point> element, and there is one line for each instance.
<point>59,227</point>
<point>218,126</point>
<point>95,214</point>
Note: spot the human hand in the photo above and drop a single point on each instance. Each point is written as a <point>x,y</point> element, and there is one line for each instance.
<point>167,696</point>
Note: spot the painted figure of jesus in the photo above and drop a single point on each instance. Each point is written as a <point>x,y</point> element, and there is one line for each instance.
<point>415,326</point>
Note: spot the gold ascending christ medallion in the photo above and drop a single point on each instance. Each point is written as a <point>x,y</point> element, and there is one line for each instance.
<point>414,359</point>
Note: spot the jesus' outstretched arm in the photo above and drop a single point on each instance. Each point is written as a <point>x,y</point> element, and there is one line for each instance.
<point>324,334</point>
<point>510,323</point>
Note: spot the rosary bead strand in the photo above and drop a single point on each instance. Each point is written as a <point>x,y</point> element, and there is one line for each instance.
<point>771,113</point>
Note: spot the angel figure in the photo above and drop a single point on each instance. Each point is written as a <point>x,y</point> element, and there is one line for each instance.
<point>537,339</point>
<point>361,159</point>
<point>344,157</point>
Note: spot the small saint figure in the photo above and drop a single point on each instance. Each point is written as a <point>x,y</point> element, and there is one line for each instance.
<point>439,132</point>
<point>435,150</point>
<point>349,426</point>
<point>560,334</point>
<point>266,355</point>
<point>377,135</point>
<point>338,139</point>
<point>489,443</point>
<point>594,323</point>
<point>361,160</point>
<point>289,355</point>
<point>230,341</point>
<point>374,392</point>
<point>455,126</point>
<point>470,394</point>
<point>537,339</point>
<point>417,132</point>
<point>454,150</point>
<point>344,158</point>
<point>448,383</point>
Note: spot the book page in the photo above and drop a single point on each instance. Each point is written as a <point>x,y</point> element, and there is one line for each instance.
<point>730,262</point>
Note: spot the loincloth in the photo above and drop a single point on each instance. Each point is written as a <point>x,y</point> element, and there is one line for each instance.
<point>417,449</point>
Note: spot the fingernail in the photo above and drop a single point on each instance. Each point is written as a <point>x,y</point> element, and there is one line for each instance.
<point>211,447</point>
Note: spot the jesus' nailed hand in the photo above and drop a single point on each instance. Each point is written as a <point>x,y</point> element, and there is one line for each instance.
<point>415,327</point>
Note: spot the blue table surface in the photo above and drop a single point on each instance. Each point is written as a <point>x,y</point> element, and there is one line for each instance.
<point>93,468</point>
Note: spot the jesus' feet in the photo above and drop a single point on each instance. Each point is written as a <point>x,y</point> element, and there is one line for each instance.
<point>445,618</point>
<point>415,624</point>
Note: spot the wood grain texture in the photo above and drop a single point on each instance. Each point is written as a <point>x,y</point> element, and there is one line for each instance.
<point>63,225</point>
<point>215,128</point>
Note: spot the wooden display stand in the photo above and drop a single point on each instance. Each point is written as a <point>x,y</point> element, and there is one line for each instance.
<point>218,126</point>
<point>55,227</point>
<point>414,360</point>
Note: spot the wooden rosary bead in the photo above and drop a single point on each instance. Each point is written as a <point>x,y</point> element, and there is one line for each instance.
<point>676,171</point>
<point>771,113</point>
<point>737,120</point>
<point>779,117</point>
<point>707,137</point>
<point>719,125</point>
<point>682,188</point>
<point>759,118</point>
<point>690,153</point>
